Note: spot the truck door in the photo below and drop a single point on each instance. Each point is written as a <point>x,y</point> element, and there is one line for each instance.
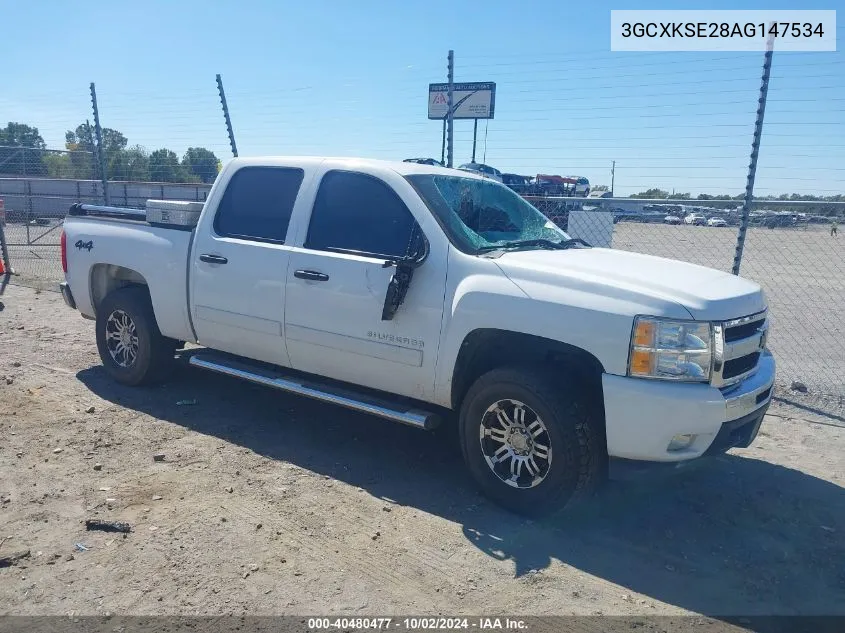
<point>240,263</point>
<point>338,279</point>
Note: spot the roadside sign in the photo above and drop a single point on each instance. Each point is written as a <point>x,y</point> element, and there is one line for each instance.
<point>469,100</point>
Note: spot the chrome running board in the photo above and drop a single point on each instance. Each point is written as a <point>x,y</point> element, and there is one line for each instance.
<point>343,397</point>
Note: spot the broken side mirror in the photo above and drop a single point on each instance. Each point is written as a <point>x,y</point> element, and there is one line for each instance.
<point>399,283</point>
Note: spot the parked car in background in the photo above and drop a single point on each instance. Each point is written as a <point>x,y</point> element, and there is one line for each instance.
<point>716,222</point>
<point>696,219</point>
<point>582,187</point>
<point>671,219</point>
<point>424,161</point>
<point>482,170</point>
<point>554,185</point>
<point>523,185</point>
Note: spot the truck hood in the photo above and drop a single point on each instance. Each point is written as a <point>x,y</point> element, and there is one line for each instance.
<point>707,294</point>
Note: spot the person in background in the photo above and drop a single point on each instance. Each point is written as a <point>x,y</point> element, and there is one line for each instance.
<point>833,227</point>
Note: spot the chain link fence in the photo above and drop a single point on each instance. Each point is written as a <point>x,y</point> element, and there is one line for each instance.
<point>792,250</point>
<point>33,210</point>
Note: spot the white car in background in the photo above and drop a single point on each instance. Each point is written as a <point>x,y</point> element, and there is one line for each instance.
<point>716,222</point>
<point>671,219</point>
<point>695,218</point>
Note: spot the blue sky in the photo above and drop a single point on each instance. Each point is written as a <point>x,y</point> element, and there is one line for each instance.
<point>341,78</point>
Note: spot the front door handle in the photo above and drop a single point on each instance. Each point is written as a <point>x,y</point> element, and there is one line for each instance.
<point>310,275</point>
<point>213,259</point>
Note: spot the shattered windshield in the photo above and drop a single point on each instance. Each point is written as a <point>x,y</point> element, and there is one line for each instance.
<point>480,214</point>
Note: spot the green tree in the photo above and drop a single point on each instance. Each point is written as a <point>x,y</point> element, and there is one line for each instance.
<point>130,164</point>
<point>652,193</point>
<point>21,135</point>
<point>165,167</point>
<point>81,142</point>
<point>201,162</point>
<point>84,138</point>
<point>21,152</point>
<point>58,165</point>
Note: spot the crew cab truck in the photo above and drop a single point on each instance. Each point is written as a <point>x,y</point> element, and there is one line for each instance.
<point>419,293</point>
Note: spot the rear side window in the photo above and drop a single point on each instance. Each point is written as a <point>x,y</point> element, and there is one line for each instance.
<point>358,213</point>
<point>258,203</point>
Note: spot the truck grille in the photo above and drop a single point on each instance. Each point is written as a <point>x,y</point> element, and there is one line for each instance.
<point>738,346</point>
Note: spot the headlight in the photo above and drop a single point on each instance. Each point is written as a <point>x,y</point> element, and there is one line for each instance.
<point>671,350</point>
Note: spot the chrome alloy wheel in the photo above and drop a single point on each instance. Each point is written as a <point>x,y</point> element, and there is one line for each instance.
<point>515,443</point>
<point>121,338</point>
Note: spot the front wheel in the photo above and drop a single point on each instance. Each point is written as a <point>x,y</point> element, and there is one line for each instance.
<point>531,441</point>
<point>131,346</point>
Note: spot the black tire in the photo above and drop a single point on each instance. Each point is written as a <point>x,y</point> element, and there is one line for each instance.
<point>573,431</point>
<point>153,360</point>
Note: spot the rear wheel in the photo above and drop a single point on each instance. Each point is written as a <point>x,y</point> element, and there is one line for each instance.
<point>131,346</point>
<point>531,441</point>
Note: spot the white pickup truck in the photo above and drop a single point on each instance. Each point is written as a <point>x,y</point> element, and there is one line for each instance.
<point>419,294</point>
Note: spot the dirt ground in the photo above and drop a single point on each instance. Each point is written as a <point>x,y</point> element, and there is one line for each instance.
<point>271,504</point>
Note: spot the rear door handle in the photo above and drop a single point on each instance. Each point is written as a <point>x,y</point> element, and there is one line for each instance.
<point>213,259</point>
<point>311,275</point>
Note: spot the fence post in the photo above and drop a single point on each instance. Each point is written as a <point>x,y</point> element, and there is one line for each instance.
<point>99,132</point>
<point>450,76</point>
<point>28,208</point>
<point>755,150</point>
<point>226,116</point>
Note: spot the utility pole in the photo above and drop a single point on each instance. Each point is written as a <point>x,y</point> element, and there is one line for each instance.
<point>755,150</point>
<point>226,116</point>
<point>612,176</point>
<point>443,144</point>
<point>102,154</point>
<point>474,137</point>
<point>450,77</point>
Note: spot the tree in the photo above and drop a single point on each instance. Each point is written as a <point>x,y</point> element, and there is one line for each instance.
<point>165,167</point>
<point>82,142</point>
<point>21,135</point>
<point>84,138</point>
<point>21,148</point>
<point>201,162</point>
<point>652,193</point>
<point>130,164</point>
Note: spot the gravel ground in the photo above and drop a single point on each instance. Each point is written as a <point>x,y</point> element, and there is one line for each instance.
<point>269,504</point>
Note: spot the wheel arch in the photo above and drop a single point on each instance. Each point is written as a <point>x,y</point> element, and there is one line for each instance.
<point>485,349</point>
<point>106,278</point>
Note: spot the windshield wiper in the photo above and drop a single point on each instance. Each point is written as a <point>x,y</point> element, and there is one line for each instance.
<point>542,243</point>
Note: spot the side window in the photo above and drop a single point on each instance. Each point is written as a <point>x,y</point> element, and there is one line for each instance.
<point>258,202</point>
<point>359,213</point>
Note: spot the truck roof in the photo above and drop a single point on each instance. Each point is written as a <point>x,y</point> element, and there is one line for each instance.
<point>398,166</point>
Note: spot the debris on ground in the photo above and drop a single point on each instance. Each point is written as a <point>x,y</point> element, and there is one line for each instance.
<point>57,450</point>
<point>80,547</point>
<point>229,489</point>
<point>798,386</point>
<point>107,526</point>
<point>157,497</point>
<point>11,559</point>
<point>90,410</point>
<point>98,466</point>
<point>158,457</point>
